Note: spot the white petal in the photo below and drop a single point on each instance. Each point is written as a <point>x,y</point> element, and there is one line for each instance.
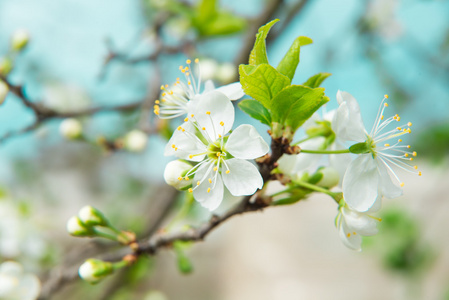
<point>221,112</point>
<point>212,199</point>
<point>347,123</point>
<point>182,144</point>
<point>233,91</point>
<point>361,223</point>
<point>294,164</point>
<point>208,86</point>
<point>352,241</point>
<point>246,143</point>
<point>340,162</point>
<point>360,183</point>
<point>388,187</point>
<point>243,178</point>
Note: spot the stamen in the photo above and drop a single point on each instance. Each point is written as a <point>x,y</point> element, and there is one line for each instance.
<point>402,184</point>
<point>198,183</point>
<point>227,171</point>
<point>180,178</point>
<point>208,190</point>
<point>186,178</point>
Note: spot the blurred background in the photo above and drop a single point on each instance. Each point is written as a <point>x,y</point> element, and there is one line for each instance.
<point>114,55</point>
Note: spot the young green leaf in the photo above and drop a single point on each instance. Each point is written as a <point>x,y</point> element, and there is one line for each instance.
<point>256,110</point>
<point>316,80</point>
<point>295,104</point>
<point>262,82</point>
<point>259,53</point>
<point>289,63</point>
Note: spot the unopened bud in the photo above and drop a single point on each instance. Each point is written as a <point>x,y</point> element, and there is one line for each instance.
<point>19,40</point>
<point>71,129</point>
<point>92,216</point>
<point>330,177</point>
<point>175,174</point>
<point>5,65</point>
<point>94,270</point>
<point>4,90</point>
<point>226,73</point>
<point>136,141</point>
<point>76,227</point>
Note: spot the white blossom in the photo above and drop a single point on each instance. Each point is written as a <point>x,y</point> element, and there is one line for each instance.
<point>19,39</point>
<point>175,173</point>
<point>182,97</point>
<point>221,158</point>
<point>371,175</point>
<point>352,225</point>
<point>15,284</point>
<point>136,140</point>
<point>94,270</point>
<point>71,128</point>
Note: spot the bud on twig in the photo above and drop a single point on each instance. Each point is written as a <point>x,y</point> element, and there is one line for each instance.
<point>175,174</point>
<point>92,216</point>
<point>136,141</point>
<point>71,129</point>
<point>94,270</point>
<point>4,90</point>
<point>76,227</point>
<point>19,40</point>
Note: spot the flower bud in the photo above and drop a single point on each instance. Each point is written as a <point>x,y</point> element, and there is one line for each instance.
<point>330,177</point>
<point>94,270</point>
<point>226,73</point>
<point>136,141</point>
<point>71,129</point>
<point>208,69</point>
<point>19,40</point>
<point>4,89</point>
<point>175,172</point>
<point>92,216</point>
<point>76,227</point>
<point>5,65</point>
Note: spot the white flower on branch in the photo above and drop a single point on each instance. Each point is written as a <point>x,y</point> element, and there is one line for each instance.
<point>221,158</point>
<point>15,284</point>
<point>175,172</point>
<point>71,128</point>
<point>352,225</point>
<point>183,96</point>
<point>370,175</point>
<point>136,140</point>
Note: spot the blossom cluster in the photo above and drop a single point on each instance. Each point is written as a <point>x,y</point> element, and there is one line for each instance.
<point>213,157</point>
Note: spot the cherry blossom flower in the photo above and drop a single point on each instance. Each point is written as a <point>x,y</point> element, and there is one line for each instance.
<point>181,98</point>
<point>371,173</point>
<point>221,158</point>
<point>352,225</point>
<point>15,284</point>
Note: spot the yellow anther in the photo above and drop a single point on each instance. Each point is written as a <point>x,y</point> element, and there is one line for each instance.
<point>210,180</point>
<point>208,190</point>
<point>166,86</point>
<point>219,135</point>
<point>156,107</point>
<point>414,153</point>
<point>186,119</point>
<point>180,178</point>
<point>409,124</point>
<point>387,145</point>
<point>419,174</point>
<point>163,100</point>
<point>411,158</point>
<point>204,128</point>
<point>190,190</point>
<point>156,112</point>
<point>398,118</point>
<point>408,146</point>
<point>183,130</point>
<point>188,61</point>
<point>406,154</point>
<point>157,102</point>
<point>381,117</point>
<point>215,169</point>
<point>164,94</point>
<point>162,87</point>
<point>207,112</point>
<point>177,79</point>
<point>415,167</point>
<point>398,128</point>
<point>186,178</point>
<point>183,70</point>
<point>173,146</point>
<point>186,68</point>
<point>190,156</point>
<point>171,92</point>
<point>192,115</point>
<point>197,60</point>
<point>386,104</point>
<point>222,123</point>
<point>180,68</point>
<point>399,140</point>
<point>402,184</point>
<point>176,149</point>
<point>354,233</point>
<point>386,96</point>
<point>189,83</point>
<point>348,235</point>
<point>179,127</point>
<point>218,154</point>
<point>198,183</point>
<point>227,171</point>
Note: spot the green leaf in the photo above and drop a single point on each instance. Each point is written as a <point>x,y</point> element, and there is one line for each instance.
<point>224,23</point>
<point>316,80</point>
<point>262,83</point>
<point>259,53</point>
<point>256,110</point>
<point>295,104</point>
<point>290,62</point>
<point>206,11</point>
